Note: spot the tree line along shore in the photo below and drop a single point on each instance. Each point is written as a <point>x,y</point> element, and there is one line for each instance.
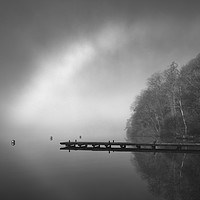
<point>169,106</point>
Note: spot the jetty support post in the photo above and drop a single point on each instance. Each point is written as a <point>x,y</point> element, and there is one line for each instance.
<point>138,146</point>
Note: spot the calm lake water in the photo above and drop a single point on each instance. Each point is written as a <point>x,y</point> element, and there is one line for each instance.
<point>36,169</point>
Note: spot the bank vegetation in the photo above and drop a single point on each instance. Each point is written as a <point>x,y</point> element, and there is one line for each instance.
<point>169,107</point>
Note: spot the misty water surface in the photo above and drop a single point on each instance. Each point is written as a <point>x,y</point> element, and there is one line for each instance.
<point>35,168</point>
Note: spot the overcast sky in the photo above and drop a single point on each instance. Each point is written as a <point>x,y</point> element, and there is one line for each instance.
<point>75,62</point>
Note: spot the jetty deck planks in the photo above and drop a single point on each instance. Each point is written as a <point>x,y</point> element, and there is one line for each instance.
<point>131,147</point>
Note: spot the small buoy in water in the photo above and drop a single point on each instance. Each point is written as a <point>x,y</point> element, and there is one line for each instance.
<point>51,138</point>
<point>80,136</point>
<point>13,142</point>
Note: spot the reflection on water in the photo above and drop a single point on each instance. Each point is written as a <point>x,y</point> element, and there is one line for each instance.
<point>36,169</point>
<point>170,176</point>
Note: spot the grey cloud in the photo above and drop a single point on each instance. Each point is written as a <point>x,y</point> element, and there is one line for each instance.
<point>30,28</point>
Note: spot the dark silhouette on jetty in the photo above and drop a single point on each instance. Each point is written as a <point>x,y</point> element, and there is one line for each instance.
<point>132,147</point>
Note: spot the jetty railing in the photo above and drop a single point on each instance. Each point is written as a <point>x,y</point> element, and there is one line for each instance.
<point>131,147</point>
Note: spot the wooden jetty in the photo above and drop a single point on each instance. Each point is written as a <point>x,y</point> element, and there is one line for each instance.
<point>132,147</point>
